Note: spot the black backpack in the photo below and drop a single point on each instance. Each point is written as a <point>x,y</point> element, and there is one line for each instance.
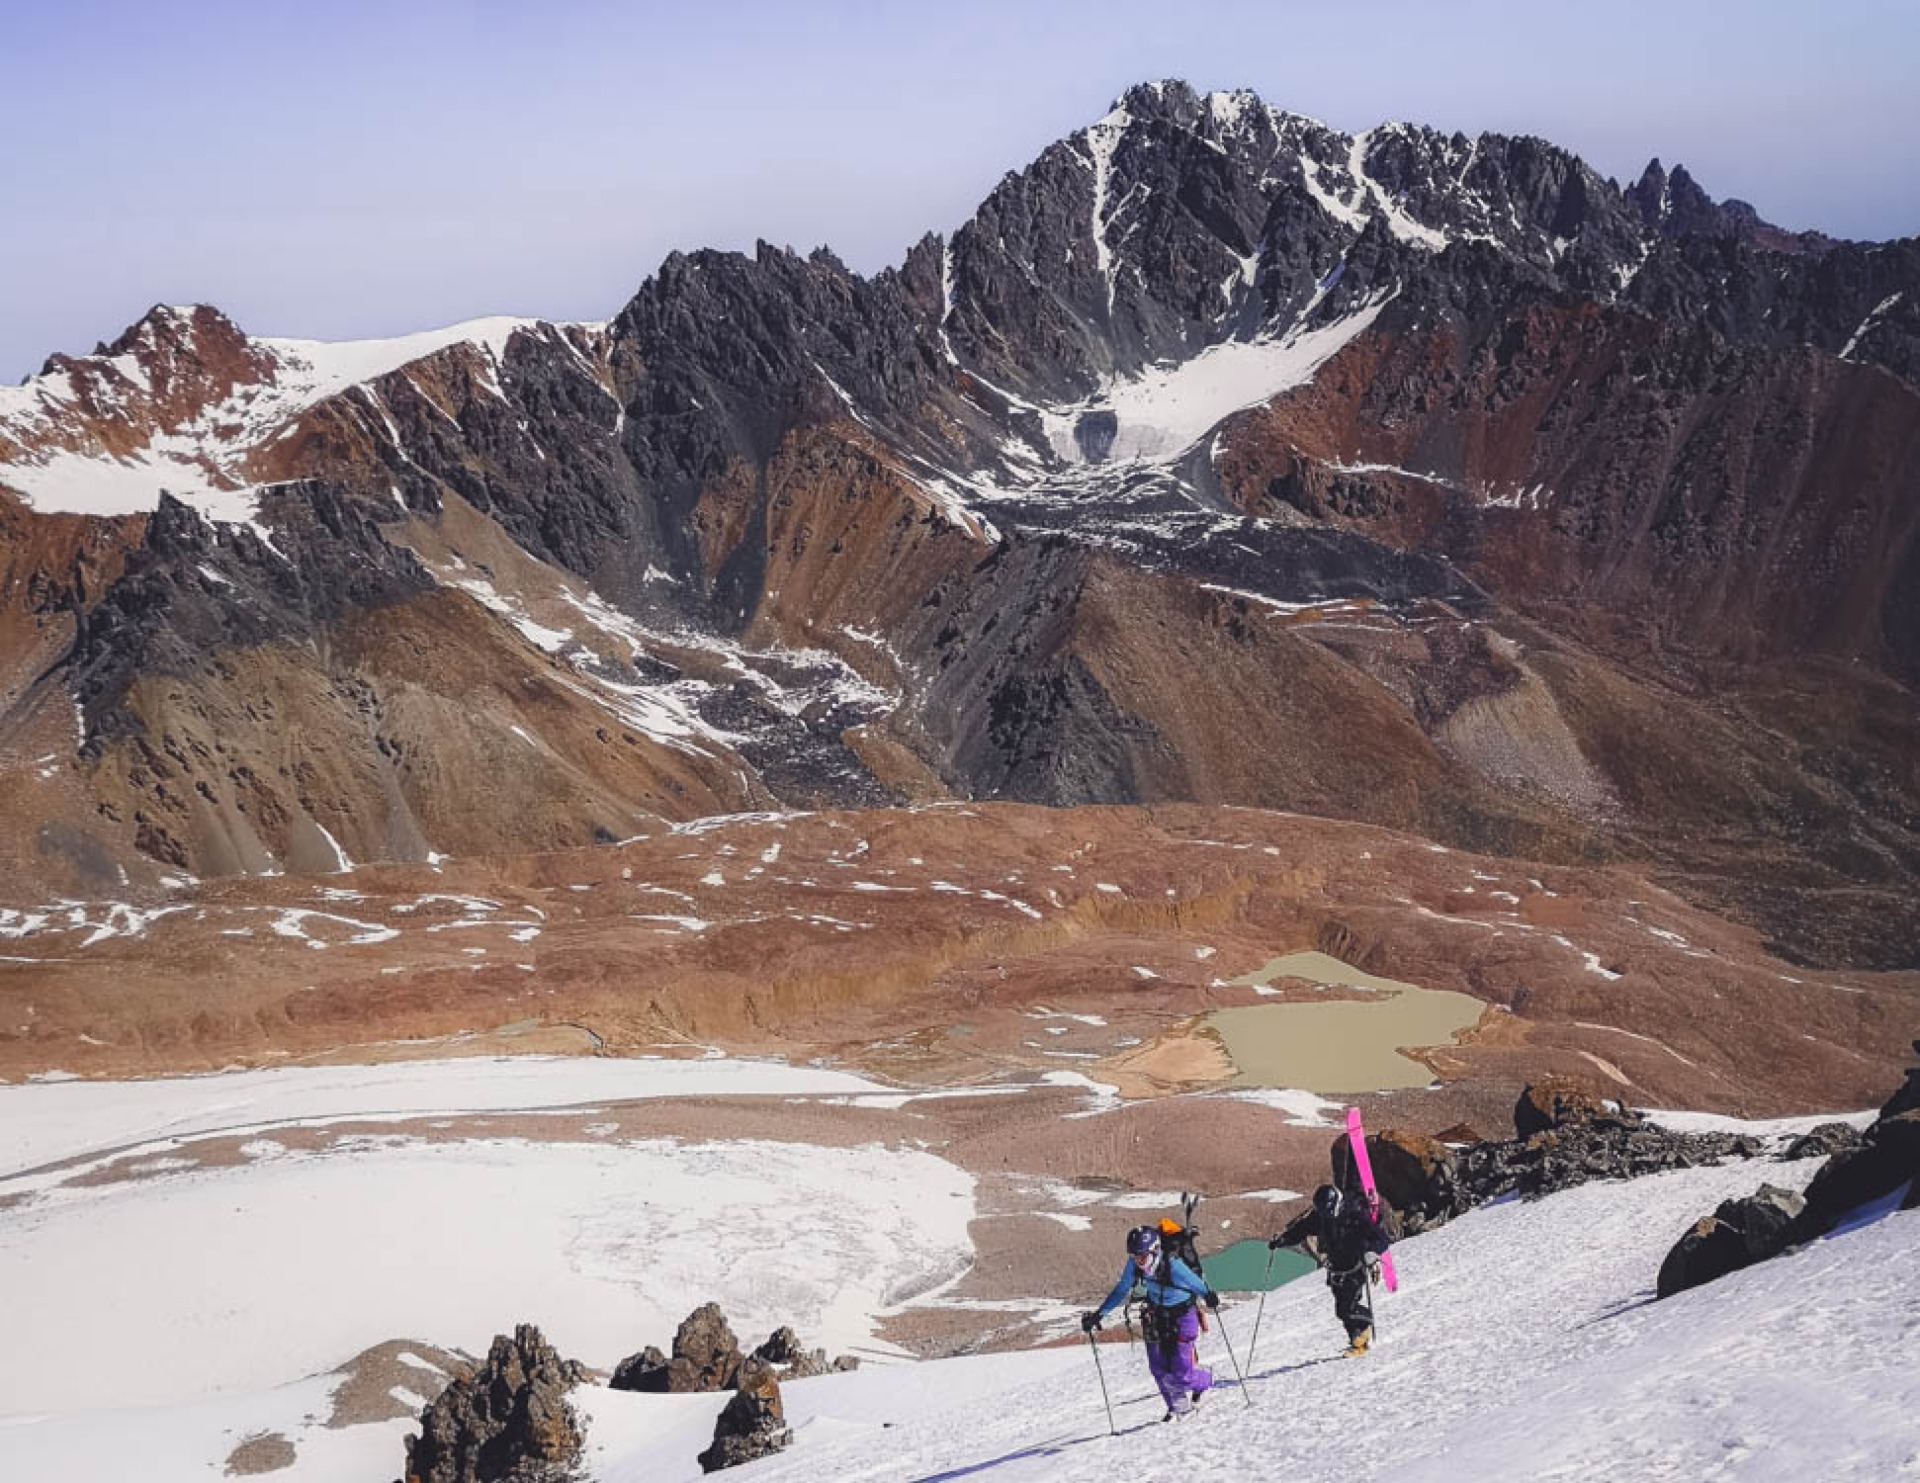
<point>1179,1241</point>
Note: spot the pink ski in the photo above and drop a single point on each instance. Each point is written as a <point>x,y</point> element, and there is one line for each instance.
<point>1357,1139</point>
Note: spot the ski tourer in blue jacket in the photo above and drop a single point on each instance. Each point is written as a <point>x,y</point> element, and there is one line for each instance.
<point>1171,1318</point>
<point>1167,1284</point>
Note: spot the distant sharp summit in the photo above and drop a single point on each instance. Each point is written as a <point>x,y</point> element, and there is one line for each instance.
<point>1220,456</point>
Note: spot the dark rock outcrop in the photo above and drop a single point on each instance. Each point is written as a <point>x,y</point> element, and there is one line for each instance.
<point>1907,1097</point>
<point>1555,1100</point>
<point>782,1348</point>
<point>637,1371</point>
<point>1738,1234</point>
<point>794,1361</point>
<point>706,1357</point>
<point>1887,1159</point>
<point>1417,1177</point>
<point>1607,1146</point>
<point>1881,1162</point>
<point>194,589</point>
<point>1823,1141</point>
<point>1568,1135</point>
<point>753,1424</point>
<point>507,1422</point>
<point>1880,1165</point>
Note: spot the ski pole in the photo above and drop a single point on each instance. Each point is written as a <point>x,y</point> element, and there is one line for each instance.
<point>1266,1284</point>
<point>1094,1345</point>
<point>1245,1394</point>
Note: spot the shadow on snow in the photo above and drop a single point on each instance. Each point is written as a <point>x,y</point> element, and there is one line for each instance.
<point>1054,1446</point>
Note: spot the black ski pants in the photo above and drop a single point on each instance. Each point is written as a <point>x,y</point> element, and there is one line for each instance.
<point>1352,1299</point>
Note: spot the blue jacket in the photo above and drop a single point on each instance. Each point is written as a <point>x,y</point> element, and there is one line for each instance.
<point>1180,1287</point>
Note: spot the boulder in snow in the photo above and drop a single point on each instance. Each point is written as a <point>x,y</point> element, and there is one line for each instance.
<point>1887,1158</point>
<point>782,1347</point>
<point>1417,1177</point>
<point>754,1423</point>
<point>646,1370</point>
<point>1738,1234</point>
<point>706,1357</point>
<point>507,1422</point>
<point>1823,1141</point>
<point>1557,1100</point>
<point>794,1361</point>
<point>1883,1165</point>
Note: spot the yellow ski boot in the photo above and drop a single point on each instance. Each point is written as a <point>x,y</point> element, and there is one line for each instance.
<point>1358,1345</point>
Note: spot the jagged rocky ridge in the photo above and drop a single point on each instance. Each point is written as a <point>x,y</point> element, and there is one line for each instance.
<point>1565,1134</point>
<point>1564,472</point>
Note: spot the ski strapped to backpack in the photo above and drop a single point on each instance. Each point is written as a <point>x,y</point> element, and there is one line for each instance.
<point>1177,1236</point>
<point>1357,1140</point>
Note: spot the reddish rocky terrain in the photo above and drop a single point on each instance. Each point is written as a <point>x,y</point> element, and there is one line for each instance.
<point>1034,961</point>
<point>1450,501</point>
<point>952,945</point>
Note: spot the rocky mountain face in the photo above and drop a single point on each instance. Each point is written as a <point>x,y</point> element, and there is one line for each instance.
<point>1222,457</point>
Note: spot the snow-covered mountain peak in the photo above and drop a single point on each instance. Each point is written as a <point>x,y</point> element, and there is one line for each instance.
<point>183,399</point>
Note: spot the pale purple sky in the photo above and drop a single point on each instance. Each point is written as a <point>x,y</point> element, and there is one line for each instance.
<point>360,169</point>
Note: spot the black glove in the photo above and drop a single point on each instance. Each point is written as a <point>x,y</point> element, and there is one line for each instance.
<point>1212,1298</point>
<point>1089,1321</point>
<point>1277,1243</point>
<point>1373,1264</point>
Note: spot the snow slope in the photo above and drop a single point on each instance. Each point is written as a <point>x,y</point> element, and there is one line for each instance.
<point>1523,1345</point>
<point>1164,410</point>
<point>191,1443</point>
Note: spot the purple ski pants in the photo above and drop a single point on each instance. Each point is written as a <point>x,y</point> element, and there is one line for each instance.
<point>1170,1359</point>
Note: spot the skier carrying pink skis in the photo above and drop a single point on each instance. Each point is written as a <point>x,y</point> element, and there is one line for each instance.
<point>1169,1319</point>
<point>1341,1236</point>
